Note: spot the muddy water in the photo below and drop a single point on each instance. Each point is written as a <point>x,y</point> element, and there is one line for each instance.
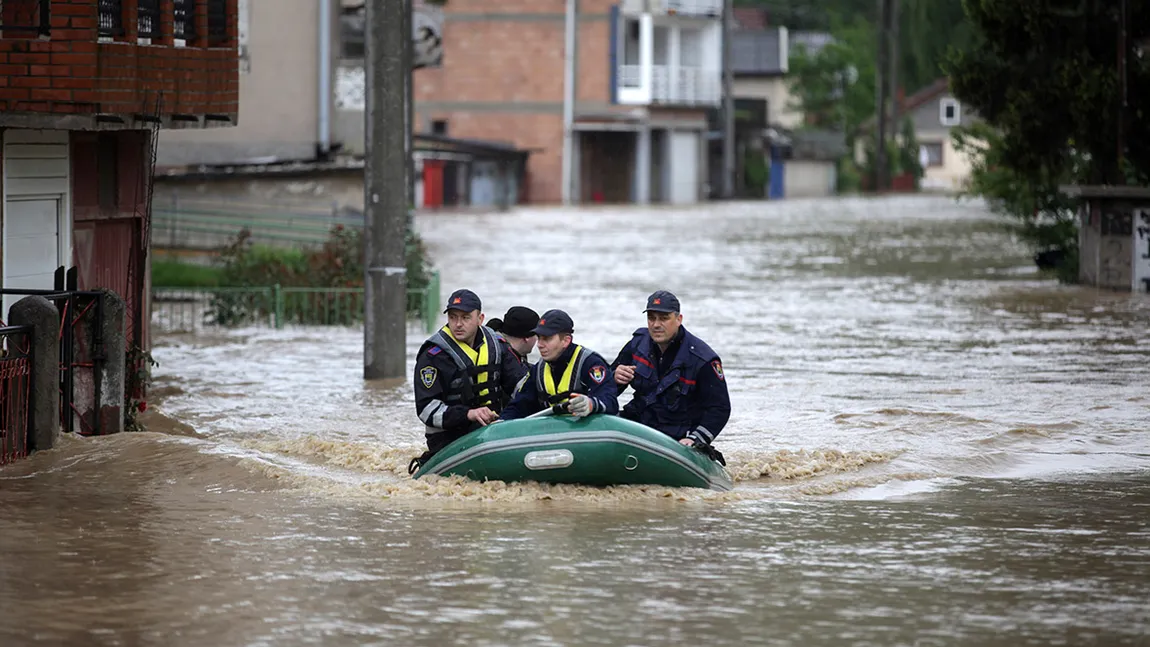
<point>932,446</point>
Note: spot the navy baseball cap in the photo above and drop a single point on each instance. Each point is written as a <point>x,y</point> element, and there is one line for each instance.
<point>464,300</point>
<point>554,322</point>
<point>662,301</point>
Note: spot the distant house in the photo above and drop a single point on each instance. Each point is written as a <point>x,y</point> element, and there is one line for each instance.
<point>935,112</point>
<point>802,164</point>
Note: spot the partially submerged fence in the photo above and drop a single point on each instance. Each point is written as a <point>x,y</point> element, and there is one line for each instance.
<point>82,356</point>
<point>194,309</point>
<point>15,392</point>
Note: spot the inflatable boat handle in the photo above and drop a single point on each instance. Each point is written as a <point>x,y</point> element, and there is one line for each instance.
<point>550,411</point>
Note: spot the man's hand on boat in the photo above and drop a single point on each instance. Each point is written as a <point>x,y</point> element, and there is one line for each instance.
<point>580,405</point>
<point>624,374</point>
<point>482,415</point>
<point>689,442</point>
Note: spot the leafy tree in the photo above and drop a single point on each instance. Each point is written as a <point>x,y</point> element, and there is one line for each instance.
<point>834,87</point>
<point>1047,80</point>
<point>1044,78</point>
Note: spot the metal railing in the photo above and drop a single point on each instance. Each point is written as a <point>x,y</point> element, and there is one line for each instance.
<point>675,85</point>
<point>184,310</point>
<point>111,17</point>
<point>148,18</point>
<point>184,19</point>
<point>33,16</point>
<point>15,392</point>
<point>82,353</point>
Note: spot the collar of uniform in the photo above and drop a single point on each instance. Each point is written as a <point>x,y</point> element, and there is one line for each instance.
<point>672,348</point>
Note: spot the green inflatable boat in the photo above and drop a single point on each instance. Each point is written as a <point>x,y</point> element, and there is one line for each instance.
<point>597,450</point>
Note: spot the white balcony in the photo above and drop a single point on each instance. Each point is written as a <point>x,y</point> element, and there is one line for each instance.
<point>666,62</point>
<point>666,85</point>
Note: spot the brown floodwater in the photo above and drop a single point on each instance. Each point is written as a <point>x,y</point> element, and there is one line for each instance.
<point>932,445</point>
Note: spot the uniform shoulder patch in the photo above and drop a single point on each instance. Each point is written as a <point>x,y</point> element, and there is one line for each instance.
<point>427,375</point>
<point>598,372</point>
<point>718,369</point>
<point>434,350</point>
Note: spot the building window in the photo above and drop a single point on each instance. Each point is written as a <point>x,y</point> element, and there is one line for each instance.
<point>25,18</point>
<point>111,18</point>
<point>949,112</point>
<point>184,19</point>
<point>107,170</point>
<point>930,154</point>
<point>351,26</point>
<point>217,23</point>
<point>148,18</point>
<point>439,127</point>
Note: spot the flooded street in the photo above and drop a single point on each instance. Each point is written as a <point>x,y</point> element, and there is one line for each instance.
<point>932,445</point>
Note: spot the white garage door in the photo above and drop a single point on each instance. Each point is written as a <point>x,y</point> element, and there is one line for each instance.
<point>684,167</point>
<point>37,234</point>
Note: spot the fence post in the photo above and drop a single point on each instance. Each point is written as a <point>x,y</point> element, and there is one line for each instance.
<point>44,414</point>
<point>278,299</point>
<point>431,303</point>
<point>112,364</point>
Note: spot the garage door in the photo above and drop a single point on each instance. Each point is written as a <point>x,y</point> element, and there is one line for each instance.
<point>31,245</point>
<point>684,167</point>
<point>36,234</point>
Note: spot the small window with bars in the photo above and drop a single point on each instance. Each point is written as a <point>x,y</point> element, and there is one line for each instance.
<point>148,18</point>
<point>111,18</point>
<point>184,19</point>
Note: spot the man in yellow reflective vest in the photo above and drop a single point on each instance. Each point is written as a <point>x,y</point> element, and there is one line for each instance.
<point>568,373</point>
<point>461,374</point>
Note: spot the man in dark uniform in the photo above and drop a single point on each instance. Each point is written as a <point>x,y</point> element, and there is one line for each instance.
<point>678,380</point>
<point>567,374</point>
<point>516,327</point>
<point>461,374</point>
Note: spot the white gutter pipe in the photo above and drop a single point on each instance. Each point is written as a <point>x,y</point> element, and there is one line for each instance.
<point>323,134</point>
<point>569,100</point>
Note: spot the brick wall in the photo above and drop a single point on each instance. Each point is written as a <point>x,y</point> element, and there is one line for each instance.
<point>71,73</point>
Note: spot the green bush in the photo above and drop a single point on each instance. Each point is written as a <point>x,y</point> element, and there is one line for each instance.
<point>177,274</point>
<point>338,263</point>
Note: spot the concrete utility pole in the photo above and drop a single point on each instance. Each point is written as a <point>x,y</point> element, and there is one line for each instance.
<point>892,82</point>
<point>880,97</point>
<point>728,104</point>
<point>388,38</point>
<point>1122,99</point>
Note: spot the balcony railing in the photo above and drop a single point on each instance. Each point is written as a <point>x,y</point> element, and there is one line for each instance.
<point>31,16</point>
<point>683,86</point>
<point>148,18</point>
<point>184,19</point>
<point>111,17</point>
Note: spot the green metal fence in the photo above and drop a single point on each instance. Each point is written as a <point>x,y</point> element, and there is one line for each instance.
<point>193,309</point>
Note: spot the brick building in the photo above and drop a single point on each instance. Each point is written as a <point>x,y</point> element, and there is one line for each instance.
<point>645,73</point>
<point>84,87</point>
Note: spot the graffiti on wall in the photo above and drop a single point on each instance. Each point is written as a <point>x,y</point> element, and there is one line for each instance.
<point>1141,222</point>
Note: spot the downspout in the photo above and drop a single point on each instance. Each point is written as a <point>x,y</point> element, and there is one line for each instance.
<point>323,135</point>
<point>568,100</point>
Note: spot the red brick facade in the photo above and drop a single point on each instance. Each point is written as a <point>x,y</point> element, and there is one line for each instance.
<point>517,60</point>
<point>71,73</point>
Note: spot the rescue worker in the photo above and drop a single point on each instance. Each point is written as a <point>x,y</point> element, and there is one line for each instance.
<point>461,375</point>
<point>516,327</point>
<point>567,374</point>
<point>678,380</point>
